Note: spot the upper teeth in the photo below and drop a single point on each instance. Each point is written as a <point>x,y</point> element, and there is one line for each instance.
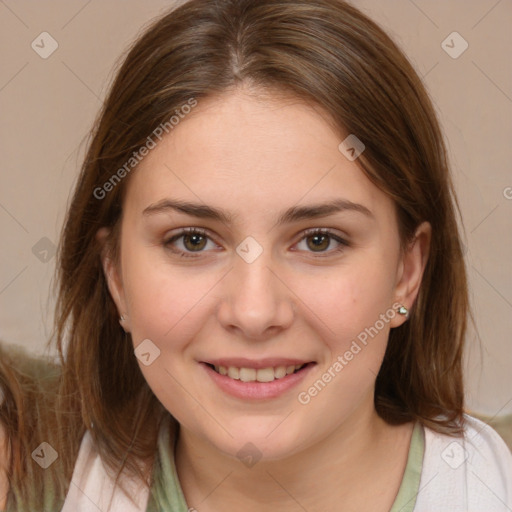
<point>260,375</point>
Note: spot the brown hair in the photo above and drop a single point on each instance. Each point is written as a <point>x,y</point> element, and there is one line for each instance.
<point>327,53</point>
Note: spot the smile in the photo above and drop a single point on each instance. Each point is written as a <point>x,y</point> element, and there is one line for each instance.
<point>257,375</point>
<point>257,380</point>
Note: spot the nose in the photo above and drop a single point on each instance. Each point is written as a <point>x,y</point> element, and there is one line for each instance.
<point>255,300</point>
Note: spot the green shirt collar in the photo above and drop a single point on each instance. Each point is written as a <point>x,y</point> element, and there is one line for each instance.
<point>166,493</point>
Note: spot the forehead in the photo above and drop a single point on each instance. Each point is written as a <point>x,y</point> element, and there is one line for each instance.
<point>256,153</point>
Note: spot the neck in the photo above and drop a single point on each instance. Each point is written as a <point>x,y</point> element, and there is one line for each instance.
<point>361,462</point>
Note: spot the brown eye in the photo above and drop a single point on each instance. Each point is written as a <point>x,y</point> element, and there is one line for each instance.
<point>319,242</point>
<point>189,241</point>
<point>195,242</point>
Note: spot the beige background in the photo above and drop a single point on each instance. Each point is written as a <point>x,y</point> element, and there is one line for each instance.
<point>48,106</point>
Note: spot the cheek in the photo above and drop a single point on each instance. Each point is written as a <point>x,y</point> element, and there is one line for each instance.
<point>348,300</point>
<point>354,313</point>
<point>166,303</point>
<point>167,306</point>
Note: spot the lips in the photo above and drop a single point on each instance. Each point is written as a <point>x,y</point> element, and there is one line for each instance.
<point>257,380</point>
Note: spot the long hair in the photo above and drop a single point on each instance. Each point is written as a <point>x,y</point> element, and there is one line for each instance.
<point>325,52</point>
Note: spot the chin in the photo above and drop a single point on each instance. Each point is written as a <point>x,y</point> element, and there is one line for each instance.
<point>263,442</point>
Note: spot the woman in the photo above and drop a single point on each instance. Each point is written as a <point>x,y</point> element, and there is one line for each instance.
<point>262,298</point>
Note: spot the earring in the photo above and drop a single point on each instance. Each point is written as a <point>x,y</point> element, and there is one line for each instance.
<point>122,320</point>
<point>402,310</point>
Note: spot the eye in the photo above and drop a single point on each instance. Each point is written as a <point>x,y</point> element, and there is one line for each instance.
<point>320,240</point>
<point>196,240</point>
<point>189,240</point>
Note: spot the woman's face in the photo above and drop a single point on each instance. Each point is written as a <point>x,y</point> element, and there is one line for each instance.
<point>255,291</point>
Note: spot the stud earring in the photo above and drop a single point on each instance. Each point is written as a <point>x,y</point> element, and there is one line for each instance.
<point>402,310</point>
<point>122,320</point>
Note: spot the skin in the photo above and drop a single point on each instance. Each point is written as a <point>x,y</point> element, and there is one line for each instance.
<point>255,156</point>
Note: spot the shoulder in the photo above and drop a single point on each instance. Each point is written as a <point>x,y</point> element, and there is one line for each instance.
<point>94,483</point>
<point>482,437</point>
<point>480,445</point>
<point>469,472</point>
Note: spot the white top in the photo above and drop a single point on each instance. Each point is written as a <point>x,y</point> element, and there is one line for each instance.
<point>92,489</point>
<point>473,474</point>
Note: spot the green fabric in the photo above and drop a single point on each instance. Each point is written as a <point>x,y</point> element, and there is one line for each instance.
<point>409,488</point>
<point>166,493</point>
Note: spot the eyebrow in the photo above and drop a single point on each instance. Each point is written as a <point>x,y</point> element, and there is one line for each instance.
<point>293,214</point>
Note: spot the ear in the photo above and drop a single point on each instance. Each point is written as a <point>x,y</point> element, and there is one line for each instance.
<point>410,270</point>
<point>113,278</point>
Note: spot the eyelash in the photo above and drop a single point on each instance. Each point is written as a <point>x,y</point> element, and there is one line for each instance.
<point>305,234</point>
